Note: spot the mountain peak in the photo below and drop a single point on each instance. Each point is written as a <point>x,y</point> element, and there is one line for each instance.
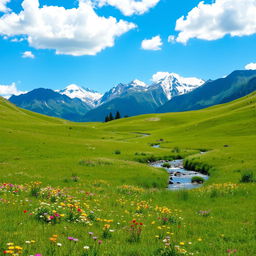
<point>162,76</point>
<point>137,82</point>
<point>73,87</point>
<point>174,84</point>
<point>86,95</point>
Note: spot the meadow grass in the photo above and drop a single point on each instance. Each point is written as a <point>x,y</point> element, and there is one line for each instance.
<point>68,186</point>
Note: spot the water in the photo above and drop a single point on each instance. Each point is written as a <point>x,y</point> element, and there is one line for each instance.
<point>179,176</point>
<point>156,146</point>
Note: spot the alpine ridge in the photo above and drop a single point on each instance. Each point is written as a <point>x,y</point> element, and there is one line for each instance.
<point>86,95</point>
<point>167,92</point>
<point>238,84</point>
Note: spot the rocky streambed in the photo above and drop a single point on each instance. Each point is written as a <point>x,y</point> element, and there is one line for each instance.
<point>180,178</point>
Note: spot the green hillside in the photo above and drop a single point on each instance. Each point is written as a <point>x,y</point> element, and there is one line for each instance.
<point>60,179</point>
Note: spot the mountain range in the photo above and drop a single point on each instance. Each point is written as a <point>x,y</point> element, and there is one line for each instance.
<point>51,103</point>
<point>169,92</point>
<point>236,85</point>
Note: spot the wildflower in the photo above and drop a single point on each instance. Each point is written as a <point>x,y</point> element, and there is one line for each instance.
<point>86,247</point>
<point>106,226</point>
<point>52,239</point>
<point>100,242</point>
<point>59,244</point>
<point>199,239</point>
<point>182,243</point>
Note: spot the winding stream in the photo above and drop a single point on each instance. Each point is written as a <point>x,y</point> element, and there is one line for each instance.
<point>180,178</point>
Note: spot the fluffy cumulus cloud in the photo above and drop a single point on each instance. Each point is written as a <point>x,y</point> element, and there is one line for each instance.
<point>153,44</point>
<point>130,7</point>
<point>28,55</point>
<point>214,21</point>
<point>9,90</point>
<point>77,31</point>
<point>3,5</point>
<point>250,66</point>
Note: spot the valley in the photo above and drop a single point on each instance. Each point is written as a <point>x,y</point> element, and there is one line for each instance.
<point>87,189</point>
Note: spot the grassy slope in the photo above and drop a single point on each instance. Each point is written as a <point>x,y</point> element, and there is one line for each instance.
<point>38,148</point>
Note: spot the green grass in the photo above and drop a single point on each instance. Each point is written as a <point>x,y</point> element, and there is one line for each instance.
<point>101,169</point>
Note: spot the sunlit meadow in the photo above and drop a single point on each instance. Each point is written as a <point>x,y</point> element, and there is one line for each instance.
<point>87,189</point>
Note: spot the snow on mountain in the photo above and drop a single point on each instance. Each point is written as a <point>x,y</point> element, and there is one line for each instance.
<point>170,83</point>
<point>86,95</point>
<point>174,84</point>
<point>121,89</point>
<point>137,82</point>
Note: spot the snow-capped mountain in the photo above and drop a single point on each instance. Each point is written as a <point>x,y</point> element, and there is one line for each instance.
<point>49,102</point>
<point>122,89</point>
<point>138,98</point>
<point>174,84</point>
<point>79,104</point>
<point>86,95</point>
<point>170,83</point>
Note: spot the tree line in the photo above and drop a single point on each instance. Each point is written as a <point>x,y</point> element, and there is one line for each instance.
<point>110,117</point>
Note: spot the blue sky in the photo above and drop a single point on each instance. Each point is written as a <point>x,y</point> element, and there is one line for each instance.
<point>199,47</point>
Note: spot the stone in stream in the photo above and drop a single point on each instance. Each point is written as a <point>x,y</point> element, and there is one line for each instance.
<point>197,182</point>
<point>177,172</point>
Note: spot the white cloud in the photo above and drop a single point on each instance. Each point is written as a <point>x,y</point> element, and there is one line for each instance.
<point>8,90</point>
<point>250,66</point>
<point>171,39</point>
<point>77,31</point>
<point>214,21</point>
<point>3,7</point>
<point>153,44</point>
<point>17,40</point>
<point>130,7</point>
<point>28,54</point>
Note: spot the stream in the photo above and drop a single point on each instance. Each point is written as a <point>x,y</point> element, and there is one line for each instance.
<point>180,178</point>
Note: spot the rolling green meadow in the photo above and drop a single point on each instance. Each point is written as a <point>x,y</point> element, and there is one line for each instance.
<point>78,189</point>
